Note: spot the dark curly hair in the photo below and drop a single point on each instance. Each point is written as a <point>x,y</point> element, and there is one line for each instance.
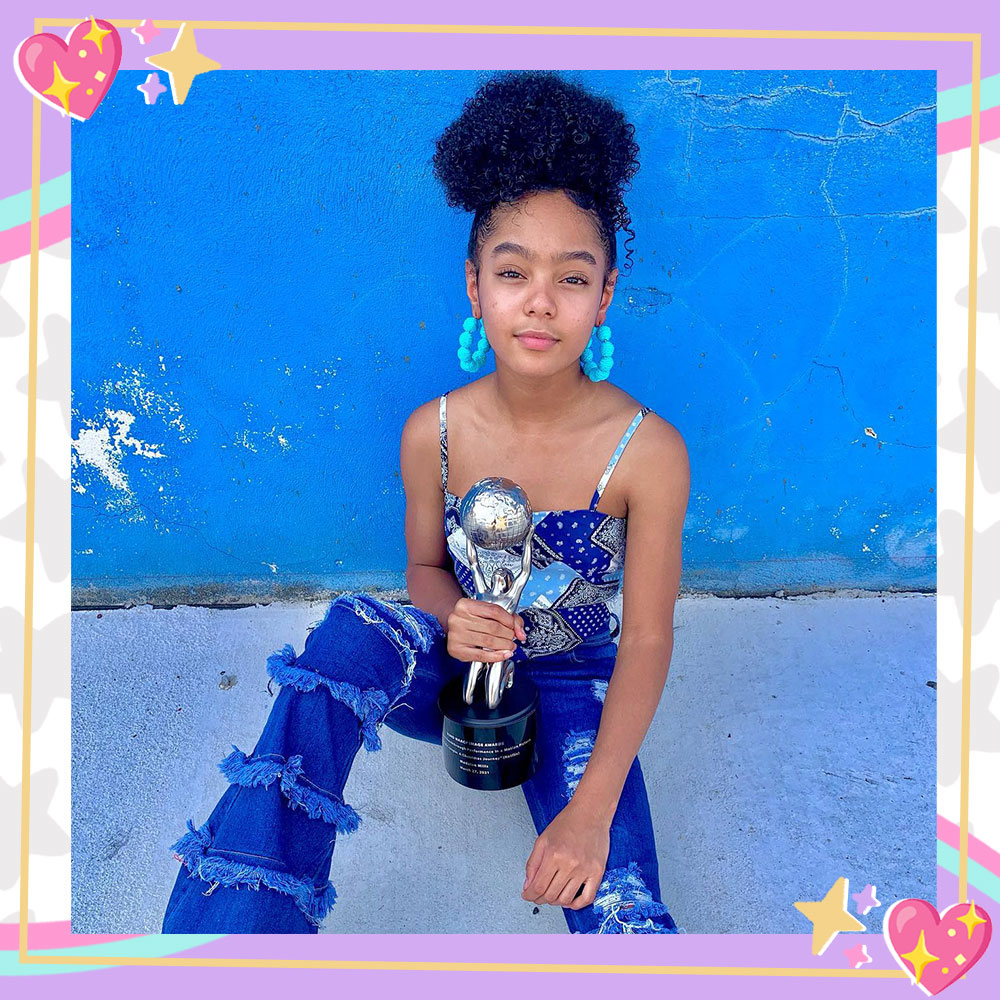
<point>534,130</point>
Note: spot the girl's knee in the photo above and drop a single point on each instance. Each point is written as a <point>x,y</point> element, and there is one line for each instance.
<point>363,652</point>
<point>403,624</point>
<point>371,626</point>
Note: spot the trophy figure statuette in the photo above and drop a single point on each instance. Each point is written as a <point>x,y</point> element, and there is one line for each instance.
<point>489,739</point>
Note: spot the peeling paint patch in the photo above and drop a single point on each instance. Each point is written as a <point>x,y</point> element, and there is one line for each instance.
<point>132,388</point>
<point>102,448</point>
<point>124,439</point>
<point>114,435</point>
<point>577,748</point>
<point>244,439</point>
<point>274,435</point>
<point>249,439</point>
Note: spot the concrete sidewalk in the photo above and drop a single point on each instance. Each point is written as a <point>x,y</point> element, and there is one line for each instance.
<point>794,743</point>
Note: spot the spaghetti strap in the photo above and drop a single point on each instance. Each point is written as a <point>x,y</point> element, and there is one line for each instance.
<point>444,443</point>
<point>617,454</point>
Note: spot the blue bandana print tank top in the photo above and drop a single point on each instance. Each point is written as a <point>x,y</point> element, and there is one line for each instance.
<point>574,593</point>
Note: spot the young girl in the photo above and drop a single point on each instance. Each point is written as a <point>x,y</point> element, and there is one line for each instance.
<point>542,163</point>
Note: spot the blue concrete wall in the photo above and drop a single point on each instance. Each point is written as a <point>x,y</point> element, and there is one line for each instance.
<point>266,281</point>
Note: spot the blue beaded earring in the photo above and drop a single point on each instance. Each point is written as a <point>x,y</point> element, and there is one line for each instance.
<point>472,361</point>
<point>597,371</point>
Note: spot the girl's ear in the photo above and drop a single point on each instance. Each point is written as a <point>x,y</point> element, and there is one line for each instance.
<point>472,287</point>
<point>607,295</point>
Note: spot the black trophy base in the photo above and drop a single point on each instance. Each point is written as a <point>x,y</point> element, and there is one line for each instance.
<point>490,749</point>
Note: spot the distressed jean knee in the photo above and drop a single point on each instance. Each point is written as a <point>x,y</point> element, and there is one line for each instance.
<point>364,653</point>
<point>625,905</point>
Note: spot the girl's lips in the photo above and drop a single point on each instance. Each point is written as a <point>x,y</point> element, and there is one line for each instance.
<point>537,343</point>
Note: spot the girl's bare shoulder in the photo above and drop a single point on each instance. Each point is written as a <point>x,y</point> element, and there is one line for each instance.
<point>656,451</point>
<point>420,435</point>
<point>654,427</point>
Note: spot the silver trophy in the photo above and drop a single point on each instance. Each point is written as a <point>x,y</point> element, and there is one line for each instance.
<point>496,514</point>
<point>487,745</point>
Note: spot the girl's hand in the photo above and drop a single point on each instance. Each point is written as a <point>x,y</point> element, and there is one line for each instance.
<point>482,631</point>
<point>571,851</point>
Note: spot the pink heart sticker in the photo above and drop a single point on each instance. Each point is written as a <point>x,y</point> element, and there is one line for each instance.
<point>936,949</point>
<point>74,75</point>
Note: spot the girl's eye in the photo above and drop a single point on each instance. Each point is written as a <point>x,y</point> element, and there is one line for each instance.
<point>573,277</point>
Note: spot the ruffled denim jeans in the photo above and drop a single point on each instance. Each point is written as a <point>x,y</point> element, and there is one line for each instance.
<point>370,662</point>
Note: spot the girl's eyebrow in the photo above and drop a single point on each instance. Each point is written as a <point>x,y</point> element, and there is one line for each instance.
<point>508,247</point>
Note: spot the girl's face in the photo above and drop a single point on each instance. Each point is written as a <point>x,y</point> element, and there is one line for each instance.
<point>542,271</point>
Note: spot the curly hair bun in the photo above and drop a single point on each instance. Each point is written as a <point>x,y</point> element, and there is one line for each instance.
<point>532,130</point>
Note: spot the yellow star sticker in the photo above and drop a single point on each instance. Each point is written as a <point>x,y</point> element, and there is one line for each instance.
<point>61,87</point>
<point>919,957</point>
<point>970,919</point>
<point>829,916</point>
<point>96,35</point>
<point>182,63</point>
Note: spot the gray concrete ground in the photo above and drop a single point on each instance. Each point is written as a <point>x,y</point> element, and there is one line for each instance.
<point>794,743</point>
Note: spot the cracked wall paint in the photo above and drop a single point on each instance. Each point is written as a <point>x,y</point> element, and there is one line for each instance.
<point>784,251</point>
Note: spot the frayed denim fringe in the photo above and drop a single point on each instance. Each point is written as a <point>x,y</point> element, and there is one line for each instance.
<point>301,793</point>
<point>626,906</point>
<point>635,918</point>
<point>415,625</point>
<point>314,902</point>
<point>370,706</point>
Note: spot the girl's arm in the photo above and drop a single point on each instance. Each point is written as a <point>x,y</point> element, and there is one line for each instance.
<point>656,509</point>
<point>433,589</point>
<point>430,582</point>
<point>573,849</point>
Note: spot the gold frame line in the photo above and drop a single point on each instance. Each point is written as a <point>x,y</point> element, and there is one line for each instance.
<point>970,444</point>
<point>530,29</point>
<point>24,957</point>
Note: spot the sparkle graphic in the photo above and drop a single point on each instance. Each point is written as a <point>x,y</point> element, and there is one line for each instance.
<point>865,900</point>
<point>97,35</point>
<point>857,956</point>
<point>60,87</point>
<point>152,88</point>
<point>970,919</point>
<point>919,958</point>
<point>182,63</point>
<point>145,31</point>
<point>829,916</point>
